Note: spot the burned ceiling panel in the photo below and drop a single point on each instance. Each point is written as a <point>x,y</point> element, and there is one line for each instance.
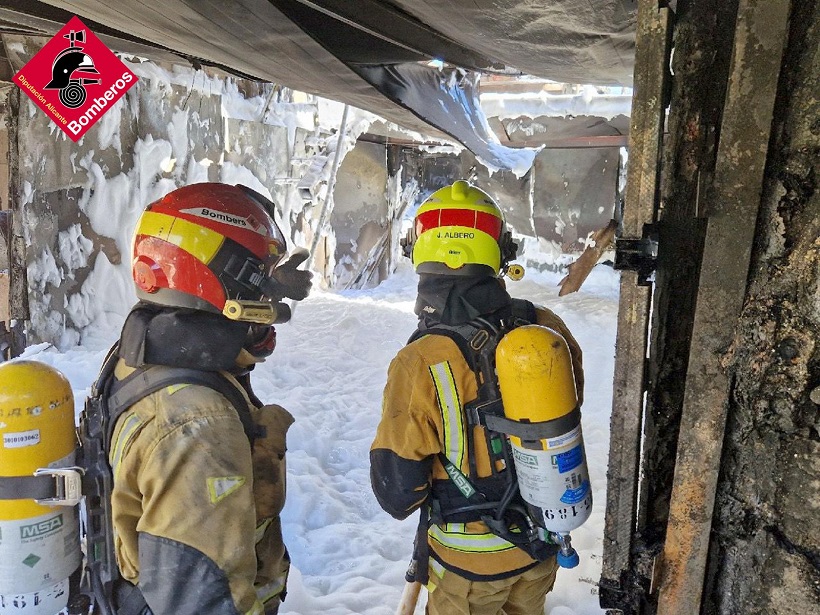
<point>572,41</point>
<point>333,47</point>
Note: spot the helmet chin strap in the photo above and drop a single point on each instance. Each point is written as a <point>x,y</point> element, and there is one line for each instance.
<point>248,273</point>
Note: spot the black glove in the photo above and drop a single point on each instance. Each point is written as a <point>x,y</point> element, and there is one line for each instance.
<point>293,283</point>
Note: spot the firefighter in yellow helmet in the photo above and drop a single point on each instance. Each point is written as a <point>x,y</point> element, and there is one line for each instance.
<point>198,461</point>
<point>473,551</point>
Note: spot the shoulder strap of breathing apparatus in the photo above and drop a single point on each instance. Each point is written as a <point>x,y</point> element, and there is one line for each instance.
<point>107,401</point>
<point>495,500</point>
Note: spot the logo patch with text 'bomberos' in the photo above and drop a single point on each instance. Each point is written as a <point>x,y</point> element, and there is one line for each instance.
<point>75,79</point>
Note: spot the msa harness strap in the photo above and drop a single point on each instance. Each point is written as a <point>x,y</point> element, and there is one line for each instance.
<point>532,432</point>
<point>27,487</point>
<point>499,516</point>
<point>47,487</point>
<point>147,380</point>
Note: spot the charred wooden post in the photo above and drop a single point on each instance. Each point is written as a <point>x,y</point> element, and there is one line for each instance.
<point>764,555</point>
<point>621,583</point>
<point>703,34</point>
<point>14,284</point>
<point>5,312</point>
<point>5,225</point>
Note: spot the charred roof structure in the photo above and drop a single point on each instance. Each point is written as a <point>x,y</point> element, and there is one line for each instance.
<point>371,54</point>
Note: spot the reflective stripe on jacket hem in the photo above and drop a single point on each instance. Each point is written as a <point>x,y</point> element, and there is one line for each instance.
<point>257,609</point>
<point>453,536</point>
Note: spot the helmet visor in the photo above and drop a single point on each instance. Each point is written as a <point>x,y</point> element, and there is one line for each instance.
<point>277,244</point>
<point>469,218</point>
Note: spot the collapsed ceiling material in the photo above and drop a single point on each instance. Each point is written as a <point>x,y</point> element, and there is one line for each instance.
<point>372,54</point>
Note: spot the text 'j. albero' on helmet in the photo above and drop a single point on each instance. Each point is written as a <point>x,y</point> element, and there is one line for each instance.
<point>460,230</point>
<point>210,247</point>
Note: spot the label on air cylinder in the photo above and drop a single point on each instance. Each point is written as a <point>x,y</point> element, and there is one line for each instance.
<point>556,481</point>
<point>37,552</point>
<point>564,439</point>
<point>570,460</point>
<point>44,602</point>
<point>574,496</point>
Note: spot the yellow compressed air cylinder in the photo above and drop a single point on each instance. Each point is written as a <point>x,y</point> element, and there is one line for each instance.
<point>537,385</point>
<point>39,544</point>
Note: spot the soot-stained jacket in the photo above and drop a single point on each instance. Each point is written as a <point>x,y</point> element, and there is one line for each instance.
<point>428,383</point>
<point>195,511</point>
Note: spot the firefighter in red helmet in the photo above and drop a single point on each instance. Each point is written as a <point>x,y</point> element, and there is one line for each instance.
<point>197,459</point>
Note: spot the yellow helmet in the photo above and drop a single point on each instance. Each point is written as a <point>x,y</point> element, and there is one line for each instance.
<point>460,230</point>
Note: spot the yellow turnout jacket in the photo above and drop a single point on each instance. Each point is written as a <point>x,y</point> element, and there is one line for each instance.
<point>195,512</point>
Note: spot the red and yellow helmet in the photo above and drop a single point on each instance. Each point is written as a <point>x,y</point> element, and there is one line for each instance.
<point>203,245</point>
<point>460,230</point>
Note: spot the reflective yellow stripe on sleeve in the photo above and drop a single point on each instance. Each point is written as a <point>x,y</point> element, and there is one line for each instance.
<point>271,590</point>
<point>257,609</point>
<point>129,428</point>
<point>451,415</point>
<point>261,529</point>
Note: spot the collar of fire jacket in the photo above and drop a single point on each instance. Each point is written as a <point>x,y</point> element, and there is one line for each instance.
<point>159,335</point>
<point>455,300</point>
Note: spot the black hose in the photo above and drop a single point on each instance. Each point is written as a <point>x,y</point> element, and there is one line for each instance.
<point>100,596</point>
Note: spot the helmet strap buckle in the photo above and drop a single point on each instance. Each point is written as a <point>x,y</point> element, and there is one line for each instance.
<point>480,338</point>
<point>509,249</point>
<point>247,272</point>
<point>67,488</point>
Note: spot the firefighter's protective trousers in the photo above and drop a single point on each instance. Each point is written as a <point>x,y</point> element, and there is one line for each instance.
<point>524,594</point>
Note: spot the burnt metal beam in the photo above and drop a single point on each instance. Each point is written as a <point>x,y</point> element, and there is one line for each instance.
<point>731,211</point>
<point>393,26</point>
<point>578,142</point>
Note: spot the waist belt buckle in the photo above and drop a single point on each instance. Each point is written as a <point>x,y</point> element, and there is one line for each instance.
<point>67,486</point>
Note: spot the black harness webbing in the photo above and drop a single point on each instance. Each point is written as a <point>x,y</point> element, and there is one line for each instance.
<point>531,432</point>
<point>147,380</point>
<point>477,341</point>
